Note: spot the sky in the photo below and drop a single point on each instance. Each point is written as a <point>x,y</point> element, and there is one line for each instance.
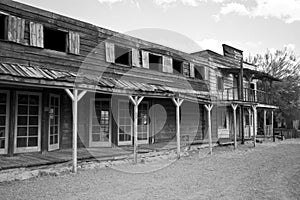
<point>253,26</point>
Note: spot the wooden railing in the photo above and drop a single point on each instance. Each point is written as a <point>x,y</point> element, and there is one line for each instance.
<point>249,95</point>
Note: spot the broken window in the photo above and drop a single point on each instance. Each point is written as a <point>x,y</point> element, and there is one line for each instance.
<point>155,62</point>
<point>199,72</point>
<point>122,55</point>
<point>55,39</point>
<point>3,19</point>
<point>177,66</point>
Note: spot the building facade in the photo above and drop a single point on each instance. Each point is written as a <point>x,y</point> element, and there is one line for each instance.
<point>53,68</point>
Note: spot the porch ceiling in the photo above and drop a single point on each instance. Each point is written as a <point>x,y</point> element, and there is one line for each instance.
<point>39,76</point>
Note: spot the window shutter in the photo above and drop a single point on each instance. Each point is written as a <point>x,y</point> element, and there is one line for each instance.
<point>167,64</point>
<point>145,58</point>
<point>136,58</point>
<point>110,52</point>
<point>36,35</point>
<point>206,73</point>
<point>192,70</point>
<point>15,29</point>
<point>186,69</point>
<point>74,43</point>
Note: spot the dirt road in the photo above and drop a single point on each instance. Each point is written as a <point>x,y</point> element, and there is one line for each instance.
<point>270,171</point>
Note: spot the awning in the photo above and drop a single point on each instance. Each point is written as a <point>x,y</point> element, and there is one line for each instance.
<point>250,73</point>
<point>40,76</point>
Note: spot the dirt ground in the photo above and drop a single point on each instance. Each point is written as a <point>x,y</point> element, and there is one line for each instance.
<point>269,171</point>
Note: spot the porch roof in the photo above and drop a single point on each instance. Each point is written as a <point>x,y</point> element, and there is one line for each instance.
<point>40,76</point>
<point>249,73</point>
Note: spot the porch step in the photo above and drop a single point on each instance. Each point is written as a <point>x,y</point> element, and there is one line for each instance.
<point>225,141</point>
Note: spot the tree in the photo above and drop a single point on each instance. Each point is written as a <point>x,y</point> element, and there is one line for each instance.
<point>282,64</point>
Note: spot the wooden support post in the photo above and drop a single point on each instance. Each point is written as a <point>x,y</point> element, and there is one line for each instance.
<point>209,108</point>
<point>234,107</point>
<point>135,101</point>
<point>75,98</point>
<point>272,125</point>
<point>254,107</point>
<point>265,123</point>
<point>178,103</point>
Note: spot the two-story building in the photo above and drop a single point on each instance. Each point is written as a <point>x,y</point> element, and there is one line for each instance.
<point>61,78</point>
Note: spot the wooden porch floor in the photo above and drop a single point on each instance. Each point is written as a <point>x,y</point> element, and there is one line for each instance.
<point>65,155</point>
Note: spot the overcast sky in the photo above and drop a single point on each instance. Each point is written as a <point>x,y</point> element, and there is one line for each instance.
<point>190,25</point>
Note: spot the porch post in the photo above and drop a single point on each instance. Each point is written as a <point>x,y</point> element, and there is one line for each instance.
<point>254,124</point>
<point>178,103</point>
<point>135,101</point>
<point>234,107</point>
<point>209,108</point>
<point>75,98</point>
<point>265,123</point>
<point>272,125</point>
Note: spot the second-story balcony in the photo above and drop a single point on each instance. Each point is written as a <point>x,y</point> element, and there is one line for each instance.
<point>249,95</point>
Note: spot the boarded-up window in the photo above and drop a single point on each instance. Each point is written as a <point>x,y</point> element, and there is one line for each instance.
<point>136,58</point>
<point>110,52</point>
<point>192,70</point>
<point>186,69</point>
<point>15,29</point>
<point>36,34</point>
<point>155,62</point>
<point>167,64</point>
<point>220,83</point>
<point>145,59</point>
<point>74,43</point>
<point>55,39</point>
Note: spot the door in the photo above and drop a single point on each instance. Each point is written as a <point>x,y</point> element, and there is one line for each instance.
<point>100,135</point>
<point>248,120</point>
<point>125,124</point>
<point>28,122</point>
<point>143,123</point>
<point>54,122</point>
<point>4,116</point>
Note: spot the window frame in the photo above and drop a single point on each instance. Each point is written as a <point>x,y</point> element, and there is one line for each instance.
<point>66,39</point>
<point>220,83</point>
<point>129,55</point>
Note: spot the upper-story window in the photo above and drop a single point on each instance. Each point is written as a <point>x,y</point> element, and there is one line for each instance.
<point>55,39</point>
<point>155,62</point>
<point>220,83</point>
<point>122,55</point>
<point>199,72</point>
<point>3,19</point>
<point>177,66</point>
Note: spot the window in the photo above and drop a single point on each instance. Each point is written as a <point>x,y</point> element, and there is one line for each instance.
<point>3,19</point>
<point>199,72</point>
<point>55,39</point>
<point>177,66</point>
<point>222,118</point>
<point>155,62</point>
<point>186,69</point>
<point>122,55</point>
<point>220,83</point>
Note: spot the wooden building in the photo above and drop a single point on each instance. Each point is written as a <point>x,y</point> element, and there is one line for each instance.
<point>61,78</point>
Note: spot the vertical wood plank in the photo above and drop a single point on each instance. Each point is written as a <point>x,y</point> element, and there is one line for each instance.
<point>192,70</point>
<point>110,52</point>
<point>145,59</point>
<point>167,64</point>
<point>254,124</point>
<point>12,119</point>
<point>234,107</point>
<point>136,58</point>
<point>32,34</point>
<point>75,117</point>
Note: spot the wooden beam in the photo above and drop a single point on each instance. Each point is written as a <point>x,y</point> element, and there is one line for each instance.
<point>82,93</point>
<point>254,107</point>
<point>135,101</point>
<point>178,103</point>
<point>265,123</point>
<point>75,115</point>
<point>70,94</point>
<point>209,108</point>
<point>234,107</point>
<point>272,125</point>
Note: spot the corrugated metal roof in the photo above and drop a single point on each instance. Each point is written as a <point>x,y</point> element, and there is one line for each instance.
<point>36,72</point>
